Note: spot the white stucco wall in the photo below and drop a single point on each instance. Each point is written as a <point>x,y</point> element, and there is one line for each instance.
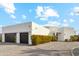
<point>52,29</point>
<point>24,27</point>
<point>18,28</point>
<point>39,30</point>
<point>31,27</point>
<point>0,29</point>
<point>66,32</point>
<point>63,32</point>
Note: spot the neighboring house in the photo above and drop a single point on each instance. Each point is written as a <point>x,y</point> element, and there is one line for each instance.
<point>62,32</point>
<point>22,32</point>
<point>65,33</point>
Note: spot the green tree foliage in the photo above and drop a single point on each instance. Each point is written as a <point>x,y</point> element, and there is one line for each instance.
<point>74,38</point>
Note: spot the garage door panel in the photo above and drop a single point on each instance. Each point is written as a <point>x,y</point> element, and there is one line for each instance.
<point>24,38</point>
<point>10,37</point>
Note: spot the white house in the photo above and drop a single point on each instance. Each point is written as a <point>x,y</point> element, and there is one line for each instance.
<point>63,32</point>
<point>22,32</point>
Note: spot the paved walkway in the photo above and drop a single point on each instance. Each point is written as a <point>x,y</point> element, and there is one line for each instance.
<point>47,49</point>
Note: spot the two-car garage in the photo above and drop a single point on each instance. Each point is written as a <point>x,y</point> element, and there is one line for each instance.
<point>21,33</point>
<point>11,37</point>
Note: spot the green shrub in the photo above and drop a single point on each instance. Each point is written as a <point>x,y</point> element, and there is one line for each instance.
<point>39,39</point>
<point>54,38</point>
<point>74,38</point>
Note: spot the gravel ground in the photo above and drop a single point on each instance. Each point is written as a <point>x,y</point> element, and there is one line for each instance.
<point>47,49</point>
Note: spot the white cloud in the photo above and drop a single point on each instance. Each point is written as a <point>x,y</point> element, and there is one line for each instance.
<point>72,20</point>
<point>72,14</point>
<point>75,11</point>
<point>45,12</point>
<point>8,7</point>
<point>65,24</point>
<point>24,16</point>
<point>50,12</point>
<point>65,21</point>
<point>39,11</point>
<point>68,21</point>
<point>42,18</point>
<point>13,16</point>
<point>52,23</point>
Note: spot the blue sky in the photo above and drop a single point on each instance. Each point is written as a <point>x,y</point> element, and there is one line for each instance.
<point>53,14</point>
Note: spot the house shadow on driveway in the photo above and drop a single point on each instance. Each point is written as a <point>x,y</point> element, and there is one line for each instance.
<point>7,43</point>
<point>42,52</point>
<point>14,44</point>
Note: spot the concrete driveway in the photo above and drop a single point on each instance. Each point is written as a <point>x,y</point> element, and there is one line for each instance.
<point>47,49</point>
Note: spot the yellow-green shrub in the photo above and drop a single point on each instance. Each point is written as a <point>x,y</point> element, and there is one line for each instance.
<point>38,39</point>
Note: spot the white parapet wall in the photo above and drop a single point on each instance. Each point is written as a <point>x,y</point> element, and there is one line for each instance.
<point>23,27</point>
<point>39,30</point>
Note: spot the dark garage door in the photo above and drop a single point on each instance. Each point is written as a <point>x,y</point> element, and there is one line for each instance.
<point>10,37</point>
<point>24,38</point>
